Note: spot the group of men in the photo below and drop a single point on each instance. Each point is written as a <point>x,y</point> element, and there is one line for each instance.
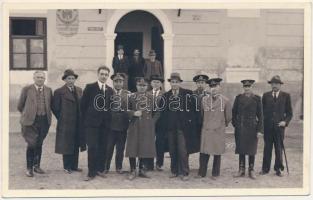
<point>147,123</point>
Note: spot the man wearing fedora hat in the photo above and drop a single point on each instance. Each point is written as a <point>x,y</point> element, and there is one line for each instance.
<point>135,69</point>
<point>65,107</point>
<point>120,64</point>
<point>119,123</point>
<point>277,113</point>
<point>178,114</point>
<point>152,66</point>
<point>35,107</point>
<point>248,123</point>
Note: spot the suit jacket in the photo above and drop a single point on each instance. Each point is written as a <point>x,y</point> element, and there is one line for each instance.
<point>66,109</point>
<point>91,116</point>
<point>159,126</point>
<point>181,116</point>
<point>274,112</point>
<point>27,104</point>
<point>120,66</point>
<point>152,68</point>
<point>119,111</point>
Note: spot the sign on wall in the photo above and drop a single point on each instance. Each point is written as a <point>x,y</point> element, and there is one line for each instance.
<point>67,22</point>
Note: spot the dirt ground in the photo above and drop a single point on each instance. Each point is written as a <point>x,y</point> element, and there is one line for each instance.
<point>55,178</point>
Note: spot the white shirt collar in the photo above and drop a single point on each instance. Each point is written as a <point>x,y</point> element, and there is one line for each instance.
<point>118,92</point>
<point>37,87</point>
<point>100,85</point>
<point>277,93</point>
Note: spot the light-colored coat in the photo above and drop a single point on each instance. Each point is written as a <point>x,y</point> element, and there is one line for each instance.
<point>141,132</point>
<point>216,117</point>
<point>27,104</point>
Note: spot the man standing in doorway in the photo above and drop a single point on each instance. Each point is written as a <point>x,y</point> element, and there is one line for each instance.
<point>120,64</point>
<point>135,70</point>
<point>153,66</point>
<point>35,106</point>
<point>277,113</point>
<point>95,108</point>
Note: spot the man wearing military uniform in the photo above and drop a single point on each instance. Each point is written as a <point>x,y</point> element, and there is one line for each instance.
<point>119,123</point>
<point>248,122</point>
<point>201,82</point>
<point>216,115</point>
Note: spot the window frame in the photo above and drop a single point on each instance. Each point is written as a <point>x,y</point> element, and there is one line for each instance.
<point>28,39</point>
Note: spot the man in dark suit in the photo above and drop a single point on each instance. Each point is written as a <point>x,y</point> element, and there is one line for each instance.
<point>135,70</point>
<point>179,113</point>
<point>35,106</point>
<point>277,113</point>
<point>119,123</point>
<point>65,106</point>
<point>96,116</point>
<point>120,64</point>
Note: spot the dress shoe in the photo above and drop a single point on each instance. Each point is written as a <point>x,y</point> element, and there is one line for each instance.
<point>89,178</point>
<point>184,178</point>
<point>77,170</point>
<point>263,172</point>
<point>101,174</point>
<point>68,171</point>
<point>240,173</point>
<point>158,168</point>
<point>29,173</point>
<point>252,174</point>
<point>132,175</point>
<point>278,173</point>
<point>173,175</point>
<point>143,174</point>
<point>38,170</point>
<point>214,177</point>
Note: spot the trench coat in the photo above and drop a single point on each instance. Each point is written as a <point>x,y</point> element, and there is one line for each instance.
<point>66,110</point>
<point>141,131</point>
<point>216,117</point>
<point>247,121</point>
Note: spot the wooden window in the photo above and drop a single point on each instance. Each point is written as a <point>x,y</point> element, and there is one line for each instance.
<point>28,43</point>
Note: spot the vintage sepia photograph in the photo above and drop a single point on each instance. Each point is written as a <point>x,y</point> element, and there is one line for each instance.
<point>111,99</point>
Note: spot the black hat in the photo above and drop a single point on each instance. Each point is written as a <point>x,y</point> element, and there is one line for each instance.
<point>214,81</point>
<point>200,77</point>
<point>120,47</point>
<point>156,77</point>
<point>152,52</point>
<point>141,81</point>
<point>247,82</point>
<point>176,76</point>
<point>69,72</point>
<point>118,76</point>
<point>275,79</point>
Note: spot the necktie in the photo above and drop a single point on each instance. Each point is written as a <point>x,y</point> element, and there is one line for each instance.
<point>275,96</point>
<point>102,86</point>
<point>40,89</point>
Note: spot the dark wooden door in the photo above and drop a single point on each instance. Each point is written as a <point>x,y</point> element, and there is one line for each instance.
<point>130,41</point>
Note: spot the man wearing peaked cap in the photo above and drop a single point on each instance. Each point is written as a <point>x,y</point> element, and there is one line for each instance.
<point>277,113</point>
<point>200,81</point>
<point>248,123</point>
<point>119,124</point>
<point>216,116</point>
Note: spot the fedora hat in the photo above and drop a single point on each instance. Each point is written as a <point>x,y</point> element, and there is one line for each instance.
<point>120,47</point>
<point>275,79</point>
<point>69,72</point>
<point>176,76</point>
<point>152,52</point>
<point>156,77</point>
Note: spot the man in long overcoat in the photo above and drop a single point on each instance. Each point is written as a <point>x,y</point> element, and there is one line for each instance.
<point>35,107</point>
<point>277,113</point>
<point>179,113</point>
<point>96,116</point>
<point>119,123</point>
<point>65,107</point>
<point>153,66</point>
<point>136,65</point>
<point>141,132</point>
<point>216,115</point>
<point>247,120</point>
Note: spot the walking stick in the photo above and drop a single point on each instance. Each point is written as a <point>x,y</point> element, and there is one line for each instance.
<point>283,147</point>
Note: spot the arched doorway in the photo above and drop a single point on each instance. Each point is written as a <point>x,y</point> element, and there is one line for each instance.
<point>115,23</point>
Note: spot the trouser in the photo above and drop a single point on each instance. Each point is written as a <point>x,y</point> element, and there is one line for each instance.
<point>70,161</point>
<point>142,163</point>
<point>34,136</point>
<point>160,143</point>
<point>178,153</point>
<point>242,162</point>
<point>274,137</point>
<point>117,139</point>
<point>97,146</point>
<point>204,159</point>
